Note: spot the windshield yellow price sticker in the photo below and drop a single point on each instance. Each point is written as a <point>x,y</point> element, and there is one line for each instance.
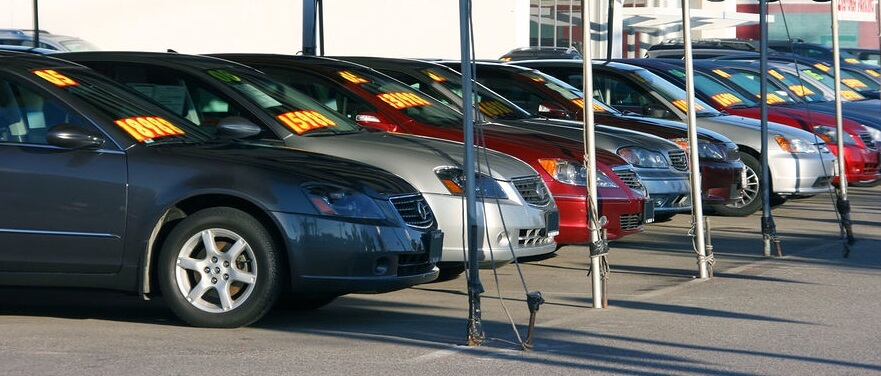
<point>305,120</point>
<point>800,90</point>
<point>872,73</point>
<point>434,76</point>
<point>726,99</point>
<point>776,74</point>
<point>722,73</point>
<point>224,76</point>
<point>822,67</point>
<point>851,95</point>
<point>596,106</point>
<point>402,100</point>
<point>493,108</point>
<point>55,78</point>
<point>772,98</point>
<point>854,83</point>
<point>683,106</point>
<point>353,78</point>
<point>852,60</point>
<point>148,127</point>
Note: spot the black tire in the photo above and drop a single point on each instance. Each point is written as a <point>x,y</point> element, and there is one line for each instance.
<point>752,191</point>
<point>241,278</point>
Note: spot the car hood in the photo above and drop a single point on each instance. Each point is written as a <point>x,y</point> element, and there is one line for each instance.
<point>606,137</point>
<point>747,131</point>
<point>414,158</point>
<point>291,165</point>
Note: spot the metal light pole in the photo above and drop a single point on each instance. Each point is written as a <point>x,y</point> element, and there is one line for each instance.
<point>599,249</point>
<point>475,326</point>
<point>694,156</point>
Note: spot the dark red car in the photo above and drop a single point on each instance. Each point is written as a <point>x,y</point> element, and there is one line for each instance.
<point>376,100</point>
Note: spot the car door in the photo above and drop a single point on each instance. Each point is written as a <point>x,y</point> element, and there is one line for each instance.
<point>61,210</point>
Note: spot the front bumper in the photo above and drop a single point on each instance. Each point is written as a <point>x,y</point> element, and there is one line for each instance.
<point>508,229</point>
<point>801,174</point>
<point>337,256</point>
<point>669,192</point>
<point>721,182</point>
<point>625,217</point>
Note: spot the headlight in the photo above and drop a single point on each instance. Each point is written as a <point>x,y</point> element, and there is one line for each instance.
<point>706,150</point>
<point>343,202</point>
<point>795,145</point>
<point>574,173</point>
<point>828,134</point>
<point>643,157</point>
<point>454,180</point>
<point>716,152</point>
<point>876,134</point>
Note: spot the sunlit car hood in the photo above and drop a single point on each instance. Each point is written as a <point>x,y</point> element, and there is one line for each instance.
<point>608,138</point>
<point>414,158</point>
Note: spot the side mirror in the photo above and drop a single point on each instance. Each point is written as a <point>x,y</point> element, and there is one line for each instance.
<point>656,111</point>
<point>553,111</point>
<point>71,136</point>
<point>375,120</point>
<point>237,127</point>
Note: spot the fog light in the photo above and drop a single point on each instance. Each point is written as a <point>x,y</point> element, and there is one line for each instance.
<point>503,239</point>
<point>382,266</point>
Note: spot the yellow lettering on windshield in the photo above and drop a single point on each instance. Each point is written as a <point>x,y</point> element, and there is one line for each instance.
<point>402,100</point>
<point>55,78</point>
<point>854,83</point>
<point>800,90</point>
<point>722,73</point>
<point>305,120</point>
<point>776,74</point>
<point>493,108</point>
<point>148,127</point>
<point>726,99</point>
<point>353,78</point>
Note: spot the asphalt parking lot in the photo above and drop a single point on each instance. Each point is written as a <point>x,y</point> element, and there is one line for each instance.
<point>810,311</point>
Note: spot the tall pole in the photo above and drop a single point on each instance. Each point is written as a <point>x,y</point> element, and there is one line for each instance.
<point>598,247</point>
<point>769,230</point>
<point>694,156</point>
<point>842,203</point>
<point>36,24</point>
<point>475,326</point>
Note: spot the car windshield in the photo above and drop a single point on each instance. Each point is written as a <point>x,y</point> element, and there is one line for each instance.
<point>802,86</point>
<point>412,103</point>
<point>293,109</point>
<point>851,80</point>
<point>143,121</point>
<point>78,45</point>
<point>489,103</point>
<point>567,91</point>
<point>672,93</point>
<point>751,82</point>
<point>717,91</point>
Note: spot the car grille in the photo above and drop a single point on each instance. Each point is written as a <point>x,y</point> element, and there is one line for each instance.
<point>680,161</point>
<point>867,139</point>
<point>414,264</point>
<point>630,178</point>
<point>415,210</point>
<point>533,190</point>
<point>630,221</point>
<point>531,237</point>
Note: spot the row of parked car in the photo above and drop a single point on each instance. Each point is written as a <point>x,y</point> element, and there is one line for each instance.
<point>230,182</point>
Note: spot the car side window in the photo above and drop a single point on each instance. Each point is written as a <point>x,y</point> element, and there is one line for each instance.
<point>181,93</point>
<point>618,92</point>
<point>26,115</point>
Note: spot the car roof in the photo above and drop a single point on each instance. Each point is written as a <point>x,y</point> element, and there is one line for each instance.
<point>169,59</point>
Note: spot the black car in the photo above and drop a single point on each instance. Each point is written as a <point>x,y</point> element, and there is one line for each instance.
<point>104,190</point>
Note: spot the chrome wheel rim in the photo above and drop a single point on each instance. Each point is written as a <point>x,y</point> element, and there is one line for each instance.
<point>216,270</point>
<point>750,189</point>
